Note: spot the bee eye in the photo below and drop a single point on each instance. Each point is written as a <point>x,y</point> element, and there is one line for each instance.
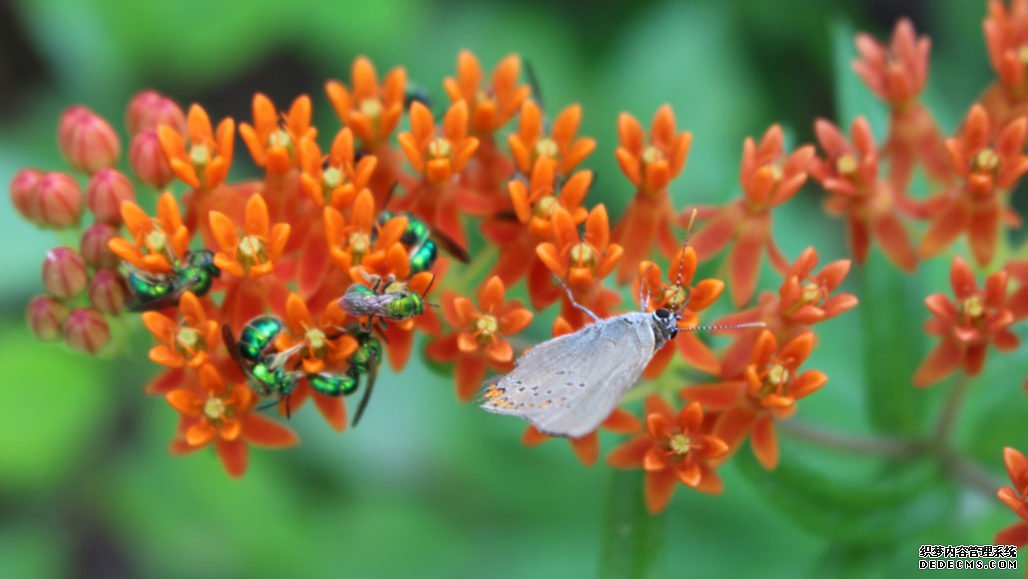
<point>662,314</point>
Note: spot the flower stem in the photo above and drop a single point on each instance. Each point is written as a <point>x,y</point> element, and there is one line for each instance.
<point>947,420</point>
<point>633,539</point>
<point>970,473</point>
<point>877,446</point>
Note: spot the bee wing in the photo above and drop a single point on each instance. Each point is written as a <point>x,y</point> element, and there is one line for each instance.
<point>569,385</point>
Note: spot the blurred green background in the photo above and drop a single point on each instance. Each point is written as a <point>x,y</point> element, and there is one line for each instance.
<point>428,487</point>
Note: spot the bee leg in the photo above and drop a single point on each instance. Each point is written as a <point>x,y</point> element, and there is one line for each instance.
<point>577,305</point>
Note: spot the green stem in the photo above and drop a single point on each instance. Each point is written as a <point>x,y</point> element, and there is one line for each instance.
<point>633,539</point>
<point>888,447</point>
<point>948,417</point>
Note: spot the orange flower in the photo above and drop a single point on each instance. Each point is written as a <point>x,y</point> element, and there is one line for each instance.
<point>767,390</point>
<point>680,295</point>
<point>650,164</point>
<point>371,110</point>
<point>967,325</point>
<point>803,299</point>
<point>479,341</point>
<point>205,164</point>
<point>276,146</point>
<point>897,74</point>
<point>581,261</point>
<point>1018,269</point>
<point>254,254</point>
<point>850,175</point>
<point>769,178</point>
<point>987,172</point>
<point>528,144</point>
<point>536,203</point>
<point>490,107</point>
<point>1005,32</point>
<point>337,179</point>
<point>158,243</point>
<point>223,414</point>
<point>439,158</point>
<point>587,448</point>
<point>186,342</point>
<point>350,243</point>
<point>1015,498</point>
<point>675,448</point>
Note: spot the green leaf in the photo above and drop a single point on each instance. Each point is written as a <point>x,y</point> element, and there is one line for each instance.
<point>891,306</point>
<point>633,539</point>
<point>852,97</point>
<point>895,502</point>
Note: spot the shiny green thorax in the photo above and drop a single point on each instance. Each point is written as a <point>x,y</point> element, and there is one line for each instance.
<point>406,305</point>
<point>333,384</point>
<point>368,354</point>
<point>195,273</point>
<point>421,250</point>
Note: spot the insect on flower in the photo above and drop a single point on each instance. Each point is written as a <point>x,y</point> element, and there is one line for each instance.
<point>421,242</point>
<point>386,299</point>
<point>568,385</point>
<point>152,291</point>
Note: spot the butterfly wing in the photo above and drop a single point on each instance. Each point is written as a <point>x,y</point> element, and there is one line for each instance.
<point>569,385</point>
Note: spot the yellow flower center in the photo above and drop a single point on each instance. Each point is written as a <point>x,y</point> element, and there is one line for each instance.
<point>846,165</point>
<point>439,148</point>
<point>331,178</point>
<point>214,408</point>
<point>317,340</point>
<point>157,241</point>
<point>777,375</point>
<point>251,251</point>
<point>974,307</point>
<point>486,326</point>
<point>279,138</point>
<point>1022,54</point>
<point>652,154</point>
<point>676,297</point>
<point>547,148</point>
<point>371,108</point>
<point>582,255</point>
<point>189,340</point>
<point>985,160</point>
<point>199,155</point>
<point>545,206</point>
<point>360,244</point>
<point>680,444</point>
<point>811,293</point>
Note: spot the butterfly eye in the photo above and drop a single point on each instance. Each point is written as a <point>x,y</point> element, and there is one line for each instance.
<point>662,313</point>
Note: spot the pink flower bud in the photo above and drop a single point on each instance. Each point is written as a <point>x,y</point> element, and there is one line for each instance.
<point>150,109</point>
<point>46,317</point>
<point>107,292</point>
<point>25,193</point>
<point>105,192</point>
<point>87,140</point>
<point>94,246</point>
<point>60,200</point>
<point>86,330</point>
<point>149,161</point>
<point>64,272</point>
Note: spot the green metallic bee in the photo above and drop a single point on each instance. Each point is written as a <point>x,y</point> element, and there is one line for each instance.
<point>266,370</point>
<point>156,291</point>
<point>386,299</point>
<point>420,241</point>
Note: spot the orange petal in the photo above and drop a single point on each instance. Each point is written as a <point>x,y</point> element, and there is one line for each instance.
<point>765,443</point>
<point>659,488</point>
<point>234,456</point>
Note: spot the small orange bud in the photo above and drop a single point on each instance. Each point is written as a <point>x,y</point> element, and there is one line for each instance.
<point>87,140</point>
<point>150,109</point>
<point>46,316</point>
<point>107,292</point>
<point>105,193</point>
<point>149,161</point>
<point>25,194</point>
<point>64,272</point>
<point>60,200</point>
<point>86,330</point>
<point>93,246</point>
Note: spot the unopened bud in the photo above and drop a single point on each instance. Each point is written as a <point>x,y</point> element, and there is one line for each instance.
<point>105,192</point>
<point>60,200</point>
<point>94,246</point>
<point>25,194</point>
<point>46,315</point>
<point>107,292</point>
<point>150,109</point>
<point>149,161</point>
<point>86,330</point>
<point>87,140</point>
<point>64,272</point>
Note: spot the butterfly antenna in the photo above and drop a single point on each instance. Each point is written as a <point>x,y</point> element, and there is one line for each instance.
<point>725,327</point>
<point>685,244</point>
